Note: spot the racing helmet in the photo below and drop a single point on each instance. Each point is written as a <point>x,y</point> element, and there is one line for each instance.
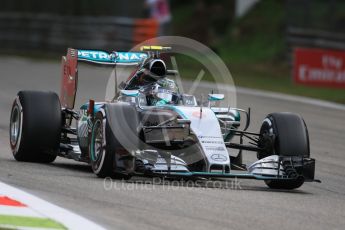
<point>163,92</point>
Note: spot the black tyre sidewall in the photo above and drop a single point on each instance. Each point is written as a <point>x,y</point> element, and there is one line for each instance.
<point>291,134</point>
<point>102,165</point>
<point>278,184</point>
<point>41,127</point>
<point>288,134</point>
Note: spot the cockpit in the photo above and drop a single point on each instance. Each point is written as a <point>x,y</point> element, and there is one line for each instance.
<point>153,86</point>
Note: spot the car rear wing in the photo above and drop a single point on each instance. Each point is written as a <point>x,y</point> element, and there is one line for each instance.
<point>69,65</point>
<point>113,58</point>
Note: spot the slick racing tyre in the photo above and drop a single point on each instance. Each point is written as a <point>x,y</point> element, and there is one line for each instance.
<point>35,126</point>
<point>101,160</point>
<point>284,134</point>
<point>103,148</point>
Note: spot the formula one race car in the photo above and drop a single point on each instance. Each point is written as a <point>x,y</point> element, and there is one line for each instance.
<point>151,129</point>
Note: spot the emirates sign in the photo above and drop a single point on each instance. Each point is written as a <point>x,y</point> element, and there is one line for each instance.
<point>319,67</point>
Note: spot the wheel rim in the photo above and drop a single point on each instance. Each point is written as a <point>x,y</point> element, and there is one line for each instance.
<point>266,129</point>
<point>98,141</point>
<point>97,146</point>
<point>15,125</point>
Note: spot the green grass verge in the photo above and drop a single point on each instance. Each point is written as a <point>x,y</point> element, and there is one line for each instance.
<point>22,221</point>
<point>256,37</point>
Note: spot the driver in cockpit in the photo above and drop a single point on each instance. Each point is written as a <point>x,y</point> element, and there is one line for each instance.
<point>151,81</point>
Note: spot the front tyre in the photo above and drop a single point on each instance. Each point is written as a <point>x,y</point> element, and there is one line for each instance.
<point>284,134</point>
<point>35,126</point>
<point>102,157</point>
<point>101,161</point>
<point>277,184</point>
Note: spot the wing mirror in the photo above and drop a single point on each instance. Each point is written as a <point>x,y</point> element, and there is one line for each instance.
<point>216,97</point>
<point>130,93</point>
<point>130,96</point>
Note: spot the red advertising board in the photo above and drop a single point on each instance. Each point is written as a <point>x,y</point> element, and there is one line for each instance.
<point>319,67</point>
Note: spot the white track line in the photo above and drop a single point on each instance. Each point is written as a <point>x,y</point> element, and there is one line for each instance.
<point>287,97</point>
<point>69,219</point>
<point>280,96</point>
<point>18,211</point>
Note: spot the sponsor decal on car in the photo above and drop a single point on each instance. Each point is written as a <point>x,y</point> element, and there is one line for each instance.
<point>116,57</point>
<point>218,157</point>
<point>212,142</point>
<point>209,137</point>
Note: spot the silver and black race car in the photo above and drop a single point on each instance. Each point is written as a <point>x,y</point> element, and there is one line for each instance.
<point>151,129</point>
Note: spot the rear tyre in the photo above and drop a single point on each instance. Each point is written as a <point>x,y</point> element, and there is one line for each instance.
<point>284,134</point>
<point>35,126</point>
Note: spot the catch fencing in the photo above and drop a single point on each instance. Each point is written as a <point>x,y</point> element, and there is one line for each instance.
<point>54,33</point>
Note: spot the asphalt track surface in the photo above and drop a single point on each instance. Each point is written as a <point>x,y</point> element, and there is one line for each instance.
<point>131,205</point>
